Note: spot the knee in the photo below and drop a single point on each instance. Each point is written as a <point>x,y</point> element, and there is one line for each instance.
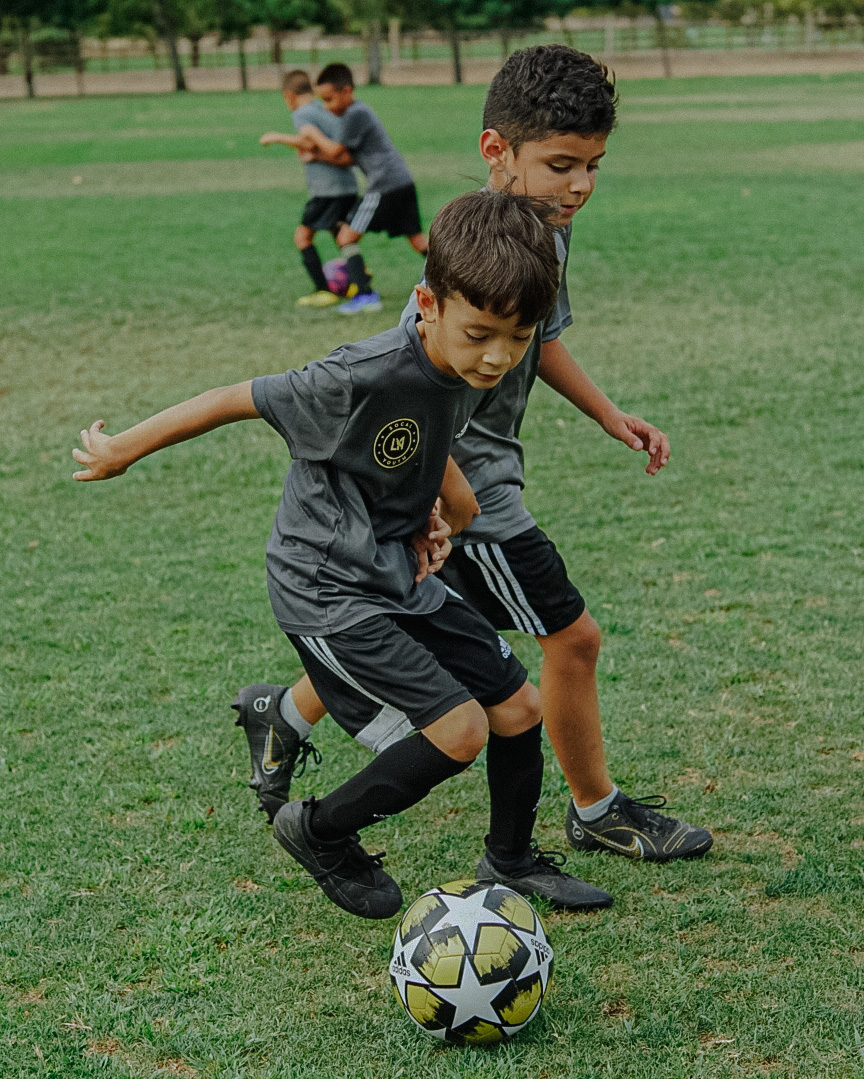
<point>461,733</point>
<point>303,236</point>
<point>581,639</point>
<point>469,738</point>
<point>518,714</point>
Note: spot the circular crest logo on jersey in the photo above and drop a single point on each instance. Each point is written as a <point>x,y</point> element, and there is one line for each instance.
<point>396,443</point>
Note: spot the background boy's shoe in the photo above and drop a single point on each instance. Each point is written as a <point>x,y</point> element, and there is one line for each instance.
<point>363,301</point>
<point>539,873</point>
<point>633,827</point>
<point>318,299</point>
<point>344,871</point>
<point>275,748</point>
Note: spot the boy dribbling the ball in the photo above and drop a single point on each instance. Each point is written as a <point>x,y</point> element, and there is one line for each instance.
<point>369,430</point>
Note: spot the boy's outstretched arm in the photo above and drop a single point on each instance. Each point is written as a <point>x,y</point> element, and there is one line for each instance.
<point>110,455</point>
<point>559,370</point>
<point>323,149</point>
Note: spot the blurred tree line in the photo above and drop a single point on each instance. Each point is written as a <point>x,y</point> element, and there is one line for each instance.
<point>52,31</point>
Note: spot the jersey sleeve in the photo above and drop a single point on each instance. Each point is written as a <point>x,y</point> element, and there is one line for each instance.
<point>561,316</point>
<point>355,125</point>
<point>309,408</point>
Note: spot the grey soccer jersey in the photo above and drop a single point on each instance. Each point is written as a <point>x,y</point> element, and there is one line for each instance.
<point>369,429</point>
<point>489,452</point>
<point>373,150</point>
<point>324,181</point>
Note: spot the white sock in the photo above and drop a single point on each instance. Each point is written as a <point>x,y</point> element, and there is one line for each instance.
<point>597,809</point>
<point>289,712</point>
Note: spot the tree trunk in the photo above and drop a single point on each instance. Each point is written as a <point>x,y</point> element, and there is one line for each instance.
<point>505,45</point>
<point>455,47</point>
<point>168,31</point>
<point>79,62</point>
<point>374,53</point>
<point>394,27</point>
<point>27,56</point>
<point>663,41</point>
<point>241,56</point>
<point>276,50</point>
<point>195,42</point>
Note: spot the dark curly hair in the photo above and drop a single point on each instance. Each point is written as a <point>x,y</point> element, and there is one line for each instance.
<point>497,250</point>
<point>549,90</point>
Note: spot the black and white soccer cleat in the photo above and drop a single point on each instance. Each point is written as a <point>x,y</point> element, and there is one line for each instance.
<point>276,750</point>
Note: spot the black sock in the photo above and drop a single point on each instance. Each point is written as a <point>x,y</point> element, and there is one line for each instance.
<point>312,263</point>
<point>397,779</point>
<point>514,768</point>
<point>357,273</point>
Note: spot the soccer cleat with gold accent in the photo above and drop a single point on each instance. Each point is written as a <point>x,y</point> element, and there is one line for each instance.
<point>275,748</point>
<point>633,828</point>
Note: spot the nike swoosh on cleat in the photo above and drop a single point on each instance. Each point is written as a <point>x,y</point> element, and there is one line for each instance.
<point>268,765</point>
<point>634,848</point>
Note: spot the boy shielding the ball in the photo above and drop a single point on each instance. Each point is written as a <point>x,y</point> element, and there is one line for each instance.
<point>547,117</point>
<point>370,429</point>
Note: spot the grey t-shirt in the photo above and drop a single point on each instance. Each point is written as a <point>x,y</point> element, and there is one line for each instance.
<point>369,429</point>
<point>373,150</point>
<point>324,181</point>
<point>489,452</point>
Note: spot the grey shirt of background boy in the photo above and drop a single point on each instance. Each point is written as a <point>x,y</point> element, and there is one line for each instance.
<point>369,429</point>
<point>489,452</point>
<point>373,151</point>
<point>324,181</point>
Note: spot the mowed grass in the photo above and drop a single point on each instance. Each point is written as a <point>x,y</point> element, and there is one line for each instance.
<point>149,925</point>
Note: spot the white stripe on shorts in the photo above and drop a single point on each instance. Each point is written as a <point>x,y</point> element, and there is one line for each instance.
<point>502,583</point>
<point>365,211</point>
<point>389,726</point>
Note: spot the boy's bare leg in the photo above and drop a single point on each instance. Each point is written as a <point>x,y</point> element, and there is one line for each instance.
<point>571,709</point>
<point>420,242</point>
<point>307,701</point>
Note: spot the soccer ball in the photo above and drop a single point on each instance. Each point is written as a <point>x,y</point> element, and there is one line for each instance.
<point>471,962</point>
<point>336,272</point>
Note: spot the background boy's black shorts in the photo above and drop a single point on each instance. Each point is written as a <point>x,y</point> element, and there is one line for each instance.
<point>391,674</point>
<point>518,584</point>
<point>327,213</point>
<point>394,212</point>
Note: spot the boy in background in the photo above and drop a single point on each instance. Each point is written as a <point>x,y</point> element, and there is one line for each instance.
<point>390,201</point>
<point>548,113</point>
<point>369,430</point>
<point>333,188</point>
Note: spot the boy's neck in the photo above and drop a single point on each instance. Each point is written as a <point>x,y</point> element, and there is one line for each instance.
<point>304,99</point>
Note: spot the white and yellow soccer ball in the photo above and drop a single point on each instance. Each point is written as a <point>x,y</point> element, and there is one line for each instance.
<point>471,962</point>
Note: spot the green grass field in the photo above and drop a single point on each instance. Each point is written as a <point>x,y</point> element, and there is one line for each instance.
<point>149,925</point>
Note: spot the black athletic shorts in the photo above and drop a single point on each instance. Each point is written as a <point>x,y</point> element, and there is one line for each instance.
<point>394,212</point>
<point>328,213</point>
<point>518,584</point>
<point>391,674</point>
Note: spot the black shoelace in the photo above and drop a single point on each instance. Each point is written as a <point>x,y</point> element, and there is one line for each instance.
<point>305,751</point>
<point>653,823</point>
<point>545,861</point>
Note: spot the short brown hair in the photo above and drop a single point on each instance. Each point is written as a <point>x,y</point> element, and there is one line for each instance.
<point>497,250</point>
<point>296,82</point>
<point>337,75</point>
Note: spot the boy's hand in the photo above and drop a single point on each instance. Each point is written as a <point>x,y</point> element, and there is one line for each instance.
<point>432,545</point>
<point>102,463</point>
<point>638,434</point>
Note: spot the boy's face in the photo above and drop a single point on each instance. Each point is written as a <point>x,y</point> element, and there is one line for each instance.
<point>562,168</point>
<point>335,101</point>
<point>465,342</point>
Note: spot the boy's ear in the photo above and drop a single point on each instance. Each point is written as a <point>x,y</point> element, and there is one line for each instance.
<point>494,148</point>
<point>426,302</point>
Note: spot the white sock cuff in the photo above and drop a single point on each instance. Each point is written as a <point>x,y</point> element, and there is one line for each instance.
<point>290,713</point>
<point>597,809</point>
<point>350,249</point>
